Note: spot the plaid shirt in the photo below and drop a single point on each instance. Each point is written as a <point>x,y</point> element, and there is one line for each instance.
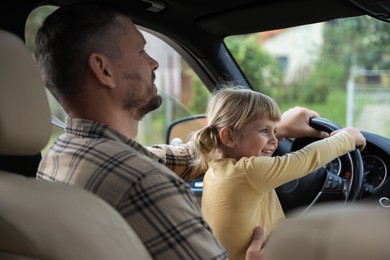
<point>159,205</point>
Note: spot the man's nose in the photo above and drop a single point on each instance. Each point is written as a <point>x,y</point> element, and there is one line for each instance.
<point>154,63</point>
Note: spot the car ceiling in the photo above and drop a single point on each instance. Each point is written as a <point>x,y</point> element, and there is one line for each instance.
<point>189,21</point>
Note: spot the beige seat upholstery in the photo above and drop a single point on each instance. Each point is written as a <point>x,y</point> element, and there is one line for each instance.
<point>39,219</point>
<point>358,231</point>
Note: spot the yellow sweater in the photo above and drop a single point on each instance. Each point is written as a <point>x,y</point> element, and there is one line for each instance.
<point>240,195</point>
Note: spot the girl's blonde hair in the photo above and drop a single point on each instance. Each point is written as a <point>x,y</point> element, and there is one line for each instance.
<point>231,106</point>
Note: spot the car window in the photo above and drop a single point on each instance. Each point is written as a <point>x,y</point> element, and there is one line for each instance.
<point>340,68</point>
<point>183,92</point>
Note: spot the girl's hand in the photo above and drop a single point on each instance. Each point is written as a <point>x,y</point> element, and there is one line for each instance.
<point>360,140</point>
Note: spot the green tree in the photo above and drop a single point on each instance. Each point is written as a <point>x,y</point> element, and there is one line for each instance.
<point>199,96</point>
<point>360,41</point>
<point>33,23</point>
<point>261,69</point>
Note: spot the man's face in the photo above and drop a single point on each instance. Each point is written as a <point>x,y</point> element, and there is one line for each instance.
<point>136,74</point>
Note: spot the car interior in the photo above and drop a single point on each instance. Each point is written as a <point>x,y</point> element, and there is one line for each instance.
<point>196,30</point>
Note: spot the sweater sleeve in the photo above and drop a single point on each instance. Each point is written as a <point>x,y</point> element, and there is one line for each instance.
<point>266,173</point>
<point>178,158</point>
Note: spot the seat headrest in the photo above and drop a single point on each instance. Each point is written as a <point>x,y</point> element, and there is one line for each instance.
<point>24,110</point>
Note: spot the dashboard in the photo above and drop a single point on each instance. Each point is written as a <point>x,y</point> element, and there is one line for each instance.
<point>376,159</point>
<point>375,171</point>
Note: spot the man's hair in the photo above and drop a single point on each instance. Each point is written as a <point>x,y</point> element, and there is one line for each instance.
<point>68,37</point>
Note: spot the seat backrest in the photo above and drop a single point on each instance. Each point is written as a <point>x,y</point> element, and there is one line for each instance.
<point>334,231</point>
<point>40,219</point>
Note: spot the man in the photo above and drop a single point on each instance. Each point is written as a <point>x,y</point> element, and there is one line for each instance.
<point>92,58</point>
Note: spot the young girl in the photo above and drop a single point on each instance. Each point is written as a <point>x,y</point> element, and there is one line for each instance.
<point>236,148</point>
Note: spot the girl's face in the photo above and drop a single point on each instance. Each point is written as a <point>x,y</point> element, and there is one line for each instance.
<point>257,138</point>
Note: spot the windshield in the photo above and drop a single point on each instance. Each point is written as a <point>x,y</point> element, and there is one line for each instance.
<point>339,68</point>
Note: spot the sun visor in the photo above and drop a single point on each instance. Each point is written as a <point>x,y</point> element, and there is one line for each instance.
<point>377,9</point>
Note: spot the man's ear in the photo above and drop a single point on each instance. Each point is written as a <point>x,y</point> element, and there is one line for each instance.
<point>227,137</point>
<point>101,68</point>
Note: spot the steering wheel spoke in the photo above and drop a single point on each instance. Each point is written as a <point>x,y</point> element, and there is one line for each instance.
<point>334,187</point>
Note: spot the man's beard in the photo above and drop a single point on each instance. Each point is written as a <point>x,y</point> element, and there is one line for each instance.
<point>154,103</point>
<point>139,109</point>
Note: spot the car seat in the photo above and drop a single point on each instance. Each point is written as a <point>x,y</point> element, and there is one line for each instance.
<point>40,219</point>
<point>334,231</point>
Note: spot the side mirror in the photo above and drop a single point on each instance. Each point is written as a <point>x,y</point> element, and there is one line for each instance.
<point>180,130</point>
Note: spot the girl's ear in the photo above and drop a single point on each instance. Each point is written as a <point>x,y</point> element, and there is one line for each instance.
<point>100,67</point>
<point>227,137</point>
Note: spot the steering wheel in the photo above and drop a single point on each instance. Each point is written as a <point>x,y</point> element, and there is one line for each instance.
<point>323,184</point>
